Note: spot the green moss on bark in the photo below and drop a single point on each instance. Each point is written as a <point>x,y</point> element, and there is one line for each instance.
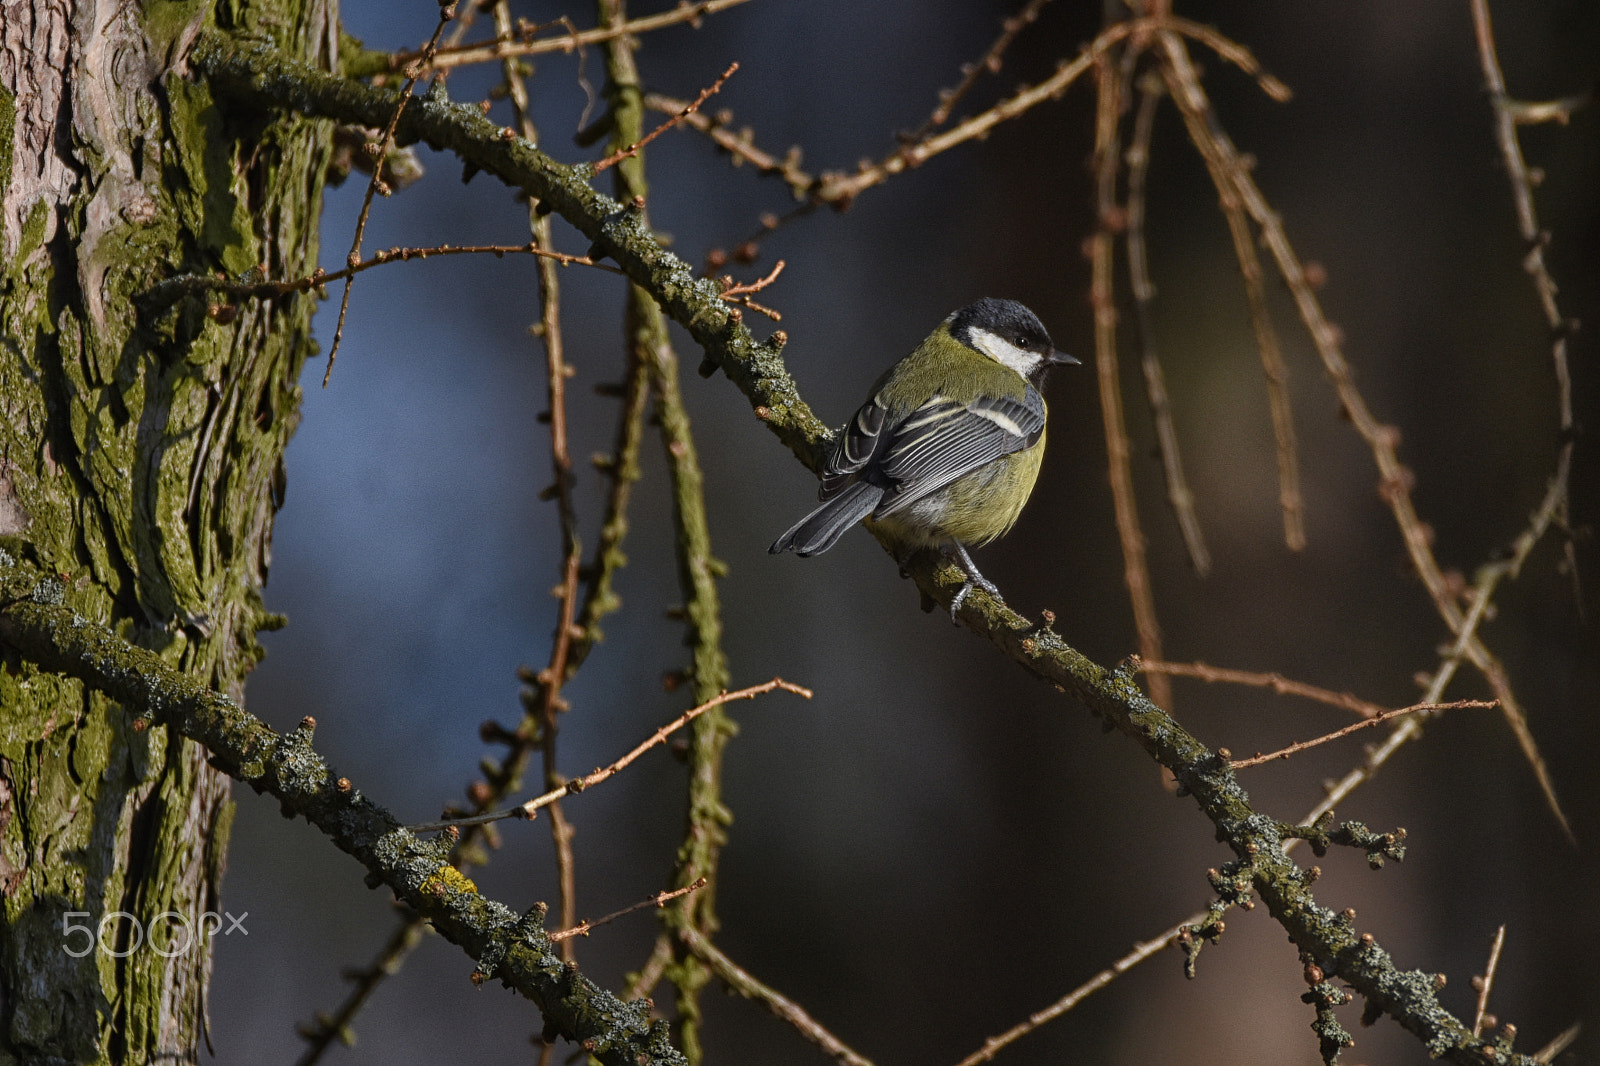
<point>144,448</point>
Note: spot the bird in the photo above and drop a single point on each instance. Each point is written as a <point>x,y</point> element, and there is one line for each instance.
<point>946,450</point>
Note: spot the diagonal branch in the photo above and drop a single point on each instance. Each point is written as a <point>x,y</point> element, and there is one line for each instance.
<point>518,951</point>
<point>514,949</point>
<point>745,984</point>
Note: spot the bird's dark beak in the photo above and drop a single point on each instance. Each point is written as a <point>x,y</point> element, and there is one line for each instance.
<point>1058,358</point>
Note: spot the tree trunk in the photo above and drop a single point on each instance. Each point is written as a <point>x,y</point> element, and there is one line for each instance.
<point>140,461</point>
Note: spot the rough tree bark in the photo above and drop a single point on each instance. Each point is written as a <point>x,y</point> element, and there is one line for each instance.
<point>140,460</point>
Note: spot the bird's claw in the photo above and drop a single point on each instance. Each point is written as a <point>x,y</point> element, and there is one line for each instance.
<point>973,581</point>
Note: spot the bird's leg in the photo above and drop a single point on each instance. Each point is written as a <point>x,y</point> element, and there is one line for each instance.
<point>974,578</point>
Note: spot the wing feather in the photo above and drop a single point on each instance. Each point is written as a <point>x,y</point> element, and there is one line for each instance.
<point>942,441</point>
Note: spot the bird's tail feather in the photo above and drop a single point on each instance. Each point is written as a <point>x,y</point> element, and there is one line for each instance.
<point>822,528</point>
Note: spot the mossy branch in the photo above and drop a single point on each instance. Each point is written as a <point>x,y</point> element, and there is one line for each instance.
<point>253,72</point>
<point>515,949</point>
<point>257,74</point>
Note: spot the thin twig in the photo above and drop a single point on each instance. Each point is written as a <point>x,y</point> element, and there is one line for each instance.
<point>1562,1041</point>
<point>466,16</point>
<point>740,293</point>
<point>739,145</point>
<point>375,183</point>
<point>556,673</point>
<point>1272,364</point>
<point>1535,112</point>
<point>643,983</point>
<point>594,777</point>
<point>172,289</point>
<point>326,1028</point>
<point>1365,723</point>
<point>1135,569</point>
<point>780,1005</point>
<point>622,467</point>
<point>1141,951</point>
<point>1277,682</point>
<point>731,289</point>
<point>572,41</point>
<point>1485,984</point>
<point>1508,115</point>
<point>693,106</point>
<point>660,899</point>
<point>840,190</point>
<point>989,64</point>
<point>1234,53</point>
<point>1178,493</point>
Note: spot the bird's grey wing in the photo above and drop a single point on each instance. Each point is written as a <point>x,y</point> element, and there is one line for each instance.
<point>942,440</point>
<point>859,442</point>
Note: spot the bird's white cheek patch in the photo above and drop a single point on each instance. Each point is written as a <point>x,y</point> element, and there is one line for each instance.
<point>1004,352</point>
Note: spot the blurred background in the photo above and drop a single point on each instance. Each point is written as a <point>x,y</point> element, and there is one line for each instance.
<point>937,845</point>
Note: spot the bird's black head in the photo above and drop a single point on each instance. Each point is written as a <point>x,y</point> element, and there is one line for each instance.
<point>1008,333</point>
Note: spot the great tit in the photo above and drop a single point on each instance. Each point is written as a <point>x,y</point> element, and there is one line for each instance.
<point>948,448</point>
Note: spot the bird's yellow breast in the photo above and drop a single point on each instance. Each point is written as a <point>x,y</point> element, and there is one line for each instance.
<point>975,508</point>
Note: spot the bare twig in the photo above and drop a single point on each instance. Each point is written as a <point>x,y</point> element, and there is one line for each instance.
<point>739,145</point>
<point>506,47</point>
<point>740,293</point>
<point>466,16</point>
<point>1277,682</point>
<point>840,190</point>
<point>730,289</point>
<point>660,899</point>
<point>375,184</point>
<point>989,64</point>
<point>1178,494</point>
<point>172,289</point>
<point>1365,723</point>
<point>1534,112</point>
<point>1508,115</point>
<point>643,983</point>
<point>689,109</point>
<point>1233,52</point>
<point>780,1005</point>
<point>326,1028</point>
<point>1485,984</point>
<point>1135,570</point>
<point>594,777</point>
<point>1562,1041</point>
<point>549,702</point>
<point>1141,951</point>
<point>1272,364</point>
